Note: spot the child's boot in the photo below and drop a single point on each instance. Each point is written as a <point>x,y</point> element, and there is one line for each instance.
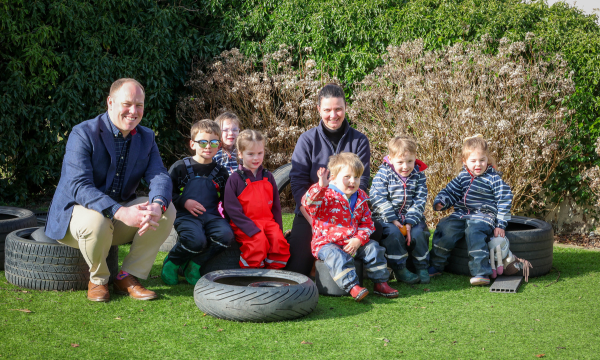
<point>358,293</point>
<point>480,280</point>
<point>168,273</point>
<point>192,273</point>
<point>406,276</point>
<point>433,271</point>
<point>423,276</point>
<point>383,289</point>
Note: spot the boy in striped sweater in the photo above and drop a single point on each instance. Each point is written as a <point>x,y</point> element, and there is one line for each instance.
<point>398,195</point>
<point>482,203</point>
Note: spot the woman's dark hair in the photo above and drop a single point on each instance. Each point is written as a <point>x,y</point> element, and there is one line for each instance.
<point>331,91</point>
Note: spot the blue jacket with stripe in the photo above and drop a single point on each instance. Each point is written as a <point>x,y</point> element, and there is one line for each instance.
<point>393,199</point>
<point>486,197</point>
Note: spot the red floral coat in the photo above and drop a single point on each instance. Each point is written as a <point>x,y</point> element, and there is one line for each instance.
<point>332,220</point>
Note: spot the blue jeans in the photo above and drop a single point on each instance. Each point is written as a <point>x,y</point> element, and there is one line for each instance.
<point>449,231</point>
<point>341,265</point>
<point>396,250</point>
<point>194,235</point>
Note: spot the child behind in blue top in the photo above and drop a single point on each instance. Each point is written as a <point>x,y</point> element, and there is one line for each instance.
<point>398,195</point>
<point>482,203</point>
<point>230,130</point>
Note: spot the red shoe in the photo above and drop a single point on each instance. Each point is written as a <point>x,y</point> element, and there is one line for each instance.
<point>358,293</point>
<point>383,289</point>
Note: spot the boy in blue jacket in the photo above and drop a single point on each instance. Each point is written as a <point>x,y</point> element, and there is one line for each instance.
<point>398,195</point>
<point>482,202</point>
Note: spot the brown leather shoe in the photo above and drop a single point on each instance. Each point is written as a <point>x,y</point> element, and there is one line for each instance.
<point>131,286</point>
<point>98,292</point>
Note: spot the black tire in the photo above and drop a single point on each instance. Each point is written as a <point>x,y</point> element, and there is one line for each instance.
<point>325,283</point>
<point>170,242</point>
<point>282,176</point>
<point>226,295</point>
<point>49,265</point>
<point>228,259</point>
<point>530,239</point>
<point>11,219</point>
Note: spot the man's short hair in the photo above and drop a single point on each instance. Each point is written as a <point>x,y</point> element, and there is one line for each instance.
<point>400,145</point>
<point>338,162</point>
<point>117,85</point>
<point>206,126</point>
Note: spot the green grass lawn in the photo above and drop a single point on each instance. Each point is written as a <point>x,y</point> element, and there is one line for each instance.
<point>445,319</point>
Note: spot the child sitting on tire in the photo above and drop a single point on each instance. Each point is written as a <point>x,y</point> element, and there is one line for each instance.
<point>399,195</point>
<point>198,187</point>
<point>252,204</point>
<point>482,203</point>
<point>342,226</point>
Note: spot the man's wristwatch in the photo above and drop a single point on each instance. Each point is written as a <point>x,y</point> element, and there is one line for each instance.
<point>163,208</point>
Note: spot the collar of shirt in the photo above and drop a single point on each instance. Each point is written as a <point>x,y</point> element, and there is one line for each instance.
<point>116,131</point>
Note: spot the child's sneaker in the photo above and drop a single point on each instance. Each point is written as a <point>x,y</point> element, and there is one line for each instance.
<point>433,271</point>
<point>358,293</point>
<point>423,276</point>
<point>480,280</point>
<point>168,274</point>
<point>192,273</point>
<point>406,276</point>
<point>383,289</point>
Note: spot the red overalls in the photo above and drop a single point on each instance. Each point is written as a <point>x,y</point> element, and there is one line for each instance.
<point>267,248</point>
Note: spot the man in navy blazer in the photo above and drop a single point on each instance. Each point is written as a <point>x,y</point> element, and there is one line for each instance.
<point>95,205</point>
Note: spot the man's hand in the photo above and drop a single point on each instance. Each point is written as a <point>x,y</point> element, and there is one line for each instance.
<point>438,206</point>
<point>499,232</point>
<point>194,207</point>
<point>134,215</point>
<point>351,246</point>
<point>151,221</point>
<point>408,227</point>
<point>323,175</point>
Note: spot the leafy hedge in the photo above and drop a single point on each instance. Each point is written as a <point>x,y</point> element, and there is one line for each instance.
<point>349,37</point>
<point>58,59</point>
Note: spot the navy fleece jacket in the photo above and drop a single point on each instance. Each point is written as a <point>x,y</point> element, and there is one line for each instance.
<point>312,152</point>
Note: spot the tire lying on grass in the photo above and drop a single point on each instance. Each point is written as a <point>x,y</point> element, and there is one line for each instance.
<point>530,239</point>
<point>256,295</point>
<point>11,219</point>
<point>37,262</point>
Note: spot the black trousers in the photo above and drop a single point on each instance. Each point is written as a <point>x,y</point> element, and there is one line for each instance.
<point>301,259</point>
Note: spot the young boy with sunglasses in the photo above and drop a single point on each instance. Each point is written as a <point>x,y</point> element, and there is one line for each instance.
<point>198,187</point>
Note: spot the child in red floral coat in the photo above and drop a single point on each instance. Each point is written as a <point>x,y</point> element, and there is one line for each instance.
<point>342,225</point>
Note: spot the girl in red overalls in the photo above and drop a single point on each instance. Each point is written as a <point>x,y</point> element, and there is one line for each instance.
<point>252,204</point>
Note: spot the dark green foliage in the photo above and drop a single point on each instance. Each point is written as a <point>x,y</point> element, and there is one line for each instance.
<point>348,38</point>
<point>59,58</point>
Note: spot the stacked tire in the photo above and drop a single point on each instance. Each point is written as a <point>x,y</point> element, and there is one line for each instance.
<point>12,219</point>
<point>530,239</point>
<point>37,262</point>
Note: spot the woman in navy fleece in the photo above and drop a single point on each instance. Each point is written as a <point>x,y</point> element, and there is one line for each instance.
<point>313,149</point>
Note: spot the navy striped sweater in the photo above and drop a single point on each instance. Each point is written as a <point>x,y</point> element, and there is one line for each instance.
<point>486,197</point>
<point>392,199</point>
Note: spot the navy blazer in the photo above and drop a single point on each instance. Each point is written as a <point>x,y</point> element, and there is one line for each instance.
<point>89,167</point>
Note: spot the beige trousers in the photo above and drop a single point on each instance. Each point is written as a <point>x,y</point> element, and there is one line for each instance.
<point>94,234</point>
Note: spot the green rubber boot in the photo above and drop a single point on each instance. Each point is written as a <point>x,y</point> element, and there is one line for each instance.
<point>423,276</point>
<point>192,273</point>
<point>406,276</point>
<point>168,273</point>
